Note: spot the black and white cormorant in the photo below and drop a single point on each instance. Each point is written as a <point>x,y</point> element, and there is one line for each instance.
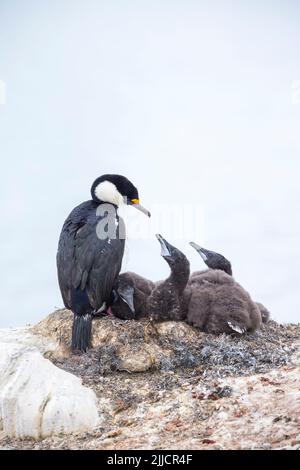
<point>90,252</point>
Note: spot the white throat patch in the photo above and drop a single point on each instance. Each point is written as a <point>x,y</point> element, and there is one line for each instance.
<point>107,192</point>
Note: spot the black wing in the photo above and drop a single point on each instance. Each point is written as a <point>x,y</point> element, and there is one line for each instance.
<point>85,262</point>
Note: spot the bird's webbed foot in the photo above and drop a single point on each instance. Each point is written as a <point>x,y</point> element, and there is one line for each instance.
<point>103,311</point>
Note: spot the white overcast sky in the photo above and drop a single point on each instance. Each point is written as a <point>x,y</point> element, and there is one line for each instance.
<point>192,100</point>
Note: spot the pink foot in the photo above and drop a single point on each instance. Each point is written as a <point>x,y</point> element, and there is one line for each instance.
<point>109,312</point>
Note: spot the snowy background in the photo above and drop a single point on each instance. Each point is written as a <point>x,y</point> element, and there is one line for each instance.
<point>196,102</point>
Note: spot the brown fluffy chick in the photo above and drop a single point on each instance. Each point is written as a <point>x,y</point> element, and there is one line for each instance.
<point>165,300</point>
<point>217,261</point>
<point>130,295</point>
<point>217,303</point>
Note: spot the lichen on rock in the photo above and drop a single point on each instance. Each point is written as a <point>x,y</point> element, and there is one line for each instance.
<point>140,346</point>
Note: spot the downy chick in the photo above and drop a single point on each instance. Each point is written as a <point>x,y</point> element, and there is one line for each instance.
<point>217,303</point>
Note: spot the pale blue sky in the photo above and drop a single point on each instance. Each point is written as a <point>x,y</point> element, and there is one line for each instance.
<point>191,100</point>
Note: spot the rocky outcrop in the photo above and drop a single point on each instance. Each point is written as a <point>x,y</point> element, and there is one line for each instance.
<point>37,399</point>
<point>169,386</point>
<point>141,346</point>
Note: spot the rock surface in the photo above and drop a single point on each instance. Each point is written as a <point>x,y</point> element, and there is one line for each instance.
<point>141,346</point>
<point>38,399</point>
<point>169,386</point>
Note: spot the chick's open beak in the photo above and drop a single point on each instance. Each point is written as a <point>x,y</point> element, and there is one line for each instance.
<point>163,244</point>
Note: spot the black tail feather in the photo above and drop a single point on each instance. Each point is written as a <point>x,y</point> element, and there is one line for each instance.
<point>81,332</point>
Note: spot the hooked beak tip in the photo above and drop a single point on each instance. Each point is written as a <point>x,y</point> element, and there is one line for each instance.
<point>142,209</point>
<point>195,246</point>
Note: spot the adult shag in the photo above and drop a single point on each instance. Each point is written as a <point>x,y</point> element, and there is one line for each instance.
<point>90,252</point>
